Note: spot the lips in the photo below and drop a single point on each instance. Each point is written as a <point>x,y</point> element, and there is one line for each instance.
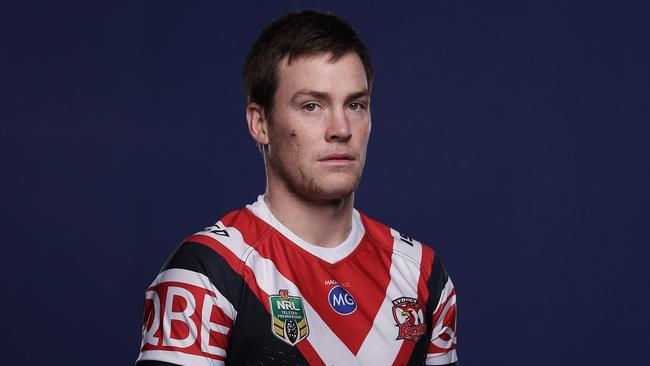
<point>337,156</point>
<point>337,160</point>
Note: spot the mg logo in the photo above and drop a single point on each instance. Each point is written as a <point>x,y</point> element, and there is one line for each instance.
<point>341,300</point>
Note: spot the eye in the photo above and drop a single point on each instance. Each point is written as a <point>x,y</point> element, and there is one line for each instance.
<point>310,107</point>
<point>356,106</point>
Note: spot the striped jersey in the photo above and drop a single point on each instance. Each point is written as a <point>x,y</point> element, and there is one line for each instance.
<point>247,290</point>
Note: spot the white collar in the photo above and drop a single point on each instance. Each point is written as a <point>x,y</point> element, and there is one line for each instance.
<point>330,255</point>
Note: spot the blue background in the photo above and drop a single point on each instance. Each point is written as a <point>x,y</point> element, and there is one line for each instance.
<point>511,135</point>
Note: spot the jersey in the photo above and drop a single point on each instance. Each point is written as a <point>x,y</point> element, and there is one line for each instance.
<point>247,290</point>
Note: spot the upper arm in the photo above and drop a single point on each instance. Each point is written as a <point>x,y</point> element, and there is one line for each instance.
<point>442,345</point>
<point>190,309</point>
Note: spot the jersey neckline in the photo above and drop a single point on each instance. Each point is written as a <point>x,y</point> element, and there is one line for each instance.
<point>329,255</point>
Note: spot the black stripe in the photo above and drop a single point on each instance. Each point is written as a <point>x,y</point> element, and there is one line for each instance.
<point>435,284</point>
<point>252,341</point>
<point>154,363</point>
<point>202,259</point>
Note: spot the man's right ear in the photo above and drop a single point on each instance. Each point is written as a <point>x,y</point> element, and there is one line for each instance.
<point>257,123</point>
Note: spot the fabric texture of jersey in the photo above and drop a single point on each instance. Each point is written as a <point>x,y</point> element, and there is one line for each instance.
<point>249,291</point>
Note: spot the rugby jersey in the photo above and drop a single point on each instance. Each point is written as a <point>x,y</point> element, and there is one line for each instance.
<point>247,290</point>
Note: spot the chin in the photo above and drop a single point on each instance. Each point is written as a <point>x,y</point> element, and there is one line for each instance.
<point>335,190</point>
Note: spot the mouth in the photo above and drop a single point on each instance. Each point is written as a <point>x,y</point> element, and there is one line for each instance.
<point>337,159</point>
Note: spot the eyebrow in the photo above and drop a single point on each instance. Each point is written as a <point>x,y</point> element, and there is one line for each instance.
<point>326,96</point>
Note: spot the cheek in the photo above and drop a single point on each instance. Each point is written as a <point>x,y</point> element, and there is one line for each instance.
<point>291,145</point>
<point>364,134</point>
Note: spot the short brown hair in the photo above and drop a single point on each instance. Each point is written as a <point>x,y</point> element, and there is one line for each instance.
<point>292,35</point>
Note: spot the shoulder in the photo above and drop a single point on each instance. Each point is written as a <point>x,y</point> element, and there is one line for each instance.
<point>411,253</point>
<point>232,237</point>
<point>396,241</point>
<point>213,258</point>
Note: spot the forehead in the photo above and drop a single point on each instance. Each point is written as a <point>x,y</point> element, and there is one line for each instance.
<point>320,72</point>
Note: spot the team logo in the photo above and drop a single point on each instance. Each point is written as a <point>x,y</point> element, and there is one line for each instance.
<point>409,318</point>
<point>341,300</point>
<point>288,322</point>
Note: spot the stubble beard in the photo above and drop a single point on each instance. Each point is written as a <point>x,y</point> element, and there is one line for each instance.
<point>304,185</point>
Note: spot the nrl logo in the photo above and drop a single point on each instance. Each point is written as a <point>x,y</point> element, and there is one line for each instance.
<point>409,319</point>
<point>288,322</point>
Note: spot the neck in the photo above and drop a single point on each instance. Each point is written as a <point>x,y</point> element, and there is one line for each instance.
<point>326,223</point>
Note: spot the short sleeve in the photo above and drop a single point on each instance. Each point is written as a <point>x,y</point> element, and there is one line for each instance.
<point>442,345</point>
<point>189,310</point>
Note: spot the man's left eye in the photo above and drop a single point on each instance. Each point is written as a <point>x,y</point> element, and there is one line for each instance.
<point>356,106</point>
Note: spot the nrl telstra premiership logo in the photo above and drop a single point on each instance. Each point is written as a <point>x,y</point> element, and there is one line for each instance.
<point>288,320</point>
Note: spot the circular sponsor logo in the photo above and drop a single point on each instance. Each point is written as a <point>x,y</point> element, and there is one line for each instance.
<point>341,300</point>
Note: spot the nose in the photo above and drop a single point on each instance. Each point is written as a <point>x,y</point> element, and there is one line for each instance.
<point>338,128</point>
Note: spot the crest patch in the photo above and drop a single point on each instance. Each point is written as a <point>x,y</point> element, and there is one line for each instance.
<point>409,318</point>
<point>288,320</point>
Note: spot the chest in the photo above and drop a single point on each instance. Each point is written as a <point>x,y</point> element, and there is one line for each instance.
<point>362,309</point>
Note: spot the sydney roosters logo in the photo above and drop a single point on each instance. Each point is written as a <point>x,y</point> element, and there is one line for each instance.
<point>409,318</point>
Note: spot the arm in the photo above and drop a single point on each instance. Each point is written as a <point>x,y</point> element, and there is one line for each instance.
<point>442,346</point>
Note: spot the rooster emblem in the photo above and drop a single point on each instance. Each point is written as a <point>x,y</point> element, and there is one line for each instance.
<point>409,318</point>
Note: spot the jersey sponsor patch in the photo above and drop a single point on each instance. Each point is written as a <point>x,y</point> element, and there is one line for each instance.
<point>409,319</point>
<point>288,320</point>
<point>341,300</point>
<point>184,317</point>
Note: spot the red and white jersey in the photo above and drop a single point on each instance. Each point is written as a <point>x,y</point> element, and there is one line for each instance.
<point>249,291</point>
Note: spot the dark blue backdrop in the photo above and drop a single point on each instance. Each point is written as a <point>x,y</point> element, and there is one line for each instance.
<point>511,136</point>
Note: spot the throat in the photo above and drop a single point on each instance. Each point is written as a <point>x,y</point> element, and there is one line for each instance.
<point>325,224</point>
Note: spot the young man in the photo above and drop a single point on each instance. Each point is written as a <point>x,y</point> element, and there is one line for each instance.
<point>300,276</point>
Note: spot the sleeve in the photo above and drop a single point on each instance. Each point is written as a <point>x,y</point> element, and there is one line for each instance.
<point>442,345</point>
<point>189,309</point>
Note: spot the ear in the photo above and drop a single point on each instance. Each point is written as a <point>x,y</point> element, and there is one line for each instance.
<point>257,123</point>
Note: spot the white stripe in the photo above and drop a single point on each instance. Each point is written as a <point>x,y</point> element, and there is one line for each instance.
<point>441,358</point>
<point>446,291</point>
<point>178,358</point>
<point>413,251</point>
<point>405,275</point>
<point>199,280</point>
<point>234,241</point>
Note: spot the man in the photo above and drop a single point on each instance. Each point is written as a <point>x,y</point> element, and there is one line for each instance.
<point>300,276</point>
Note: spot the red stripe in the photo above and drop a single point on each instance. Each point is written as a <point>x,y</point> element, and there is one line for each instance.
<point>251,227</point>
<point>309,353</point>
<point>222,317</point>
<point>404,353</point>
<point>426,263</point>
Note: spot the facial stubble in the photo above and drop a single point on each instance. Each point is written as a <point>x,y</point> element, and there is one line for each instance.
<point>302,184</point>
